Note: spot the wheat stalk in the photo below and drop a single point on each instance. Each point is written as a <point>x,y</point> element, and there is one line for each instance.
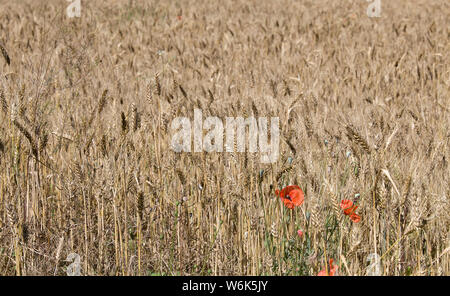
<point>5,54</point>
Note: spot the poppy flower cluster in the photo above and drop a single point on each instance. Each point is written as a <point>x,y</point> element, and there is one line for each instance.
<point>349,210</point>
<point>332,269</point>
<point>292,196</point>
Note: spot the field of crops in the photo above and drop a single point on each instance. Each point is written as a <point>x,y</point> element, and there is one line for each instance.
<point>90,182</point>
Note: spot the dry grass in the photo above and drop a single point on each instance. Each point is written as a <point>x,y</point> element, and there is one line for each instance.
<point>85,163</point>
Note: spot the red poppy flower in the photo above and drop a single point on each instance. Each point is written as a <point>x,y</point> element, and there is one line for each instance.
<point>292,196</point>
<point>349,210</point>
<point>300,233</point>
<point>332,270</point>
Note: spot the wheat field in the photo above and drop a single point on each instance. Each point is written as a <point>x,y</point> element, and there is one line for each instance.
<point>86,166</point>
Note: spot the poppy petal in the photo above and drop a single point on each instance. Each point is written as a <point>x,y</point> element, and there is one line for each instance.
<point>297,197</point>
<point>346,203</point>
<point>292,196</point>
<point>333,269</point>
